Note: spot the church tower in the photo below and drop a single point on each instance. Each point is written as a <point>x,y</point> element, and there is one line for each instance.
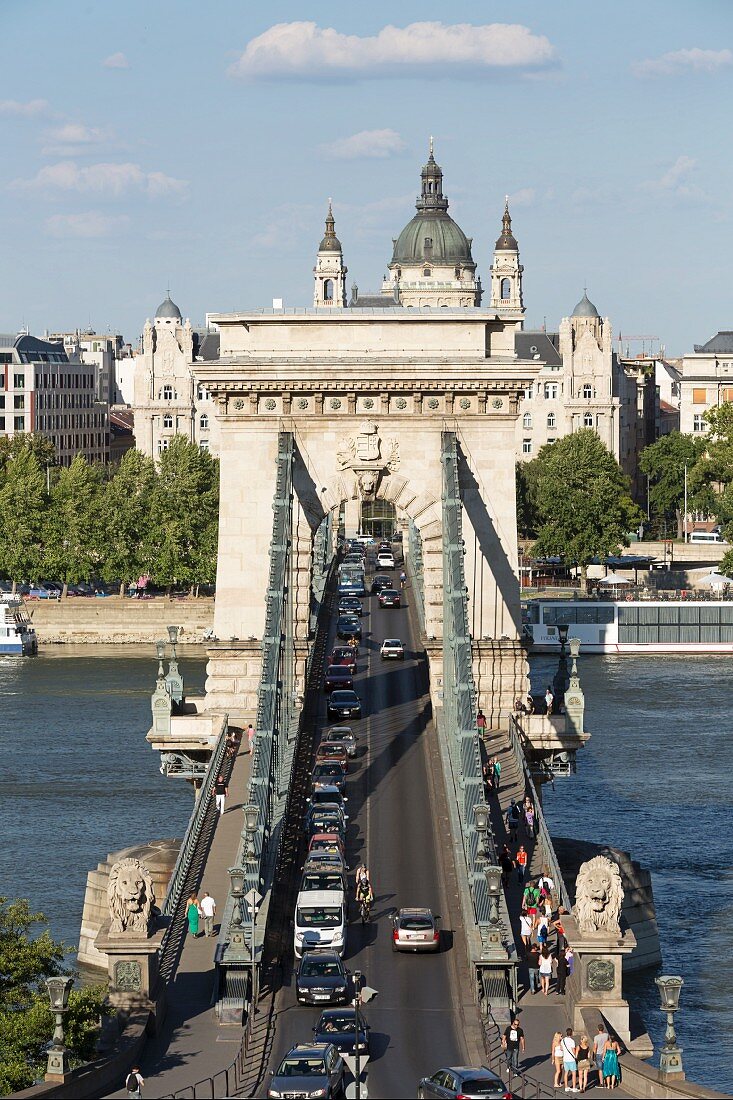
<point>506,270</point>
<point>330,271</point>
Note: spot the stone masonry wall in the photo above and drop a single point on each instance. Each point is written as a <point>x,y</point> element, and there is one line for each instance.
<point>115,619</point>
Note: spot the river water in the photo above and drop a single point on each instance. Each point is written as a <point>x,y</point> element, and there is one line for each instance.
<point>79,780</point>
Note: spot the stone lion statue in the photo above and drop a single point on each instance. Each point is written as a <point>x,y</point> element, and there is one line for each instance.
<point>368,483</point>
<point>598,896</point>
<point>130,896</point>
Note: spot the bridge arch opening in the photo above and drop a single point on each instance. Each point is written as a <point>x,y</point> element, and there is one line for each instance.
<point>378,518</point>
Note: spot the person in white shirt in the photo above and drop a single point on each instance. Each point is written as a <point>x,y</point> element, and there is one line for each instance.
<point>208,908</point>
<point>570,1065</point>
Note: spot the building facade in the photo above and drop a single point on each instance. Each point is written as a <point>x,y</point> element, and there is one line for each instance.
<point>706,381</point>
<point>43,389</point>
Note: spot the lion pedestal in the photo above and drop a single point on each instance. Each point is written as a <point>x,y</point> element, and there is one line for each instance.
<point>594,933</point>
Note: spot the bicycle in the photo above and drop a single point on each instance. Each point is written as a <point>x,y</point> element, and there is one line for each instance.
<point>365,910</point>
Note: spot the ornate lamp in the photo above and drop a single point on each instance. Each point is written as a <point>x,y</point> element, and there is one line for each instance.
<point>58,1055</point>
<point>562,632</point>
<point>160,650</point>
<point>481,819</point>
<point>495,948</point>
<point>173,637</point>
<point>174,680</point>
<point>236,880</point>
<point>670,1058</point>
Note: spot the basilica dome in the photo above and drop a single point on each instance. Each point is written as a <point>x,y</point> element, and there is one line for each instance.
<point>432,236</point>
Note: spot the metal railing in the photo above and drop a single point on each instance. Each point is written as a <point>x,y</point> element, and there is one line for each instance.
<point>522,1084</point>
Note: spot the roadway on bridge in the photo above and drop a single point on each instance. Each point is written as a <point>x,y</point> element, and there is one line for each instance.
<point>398,828</point>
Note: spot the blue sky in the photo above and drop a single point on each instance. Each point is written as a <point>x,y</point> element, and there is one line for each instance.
<point>197,144</point>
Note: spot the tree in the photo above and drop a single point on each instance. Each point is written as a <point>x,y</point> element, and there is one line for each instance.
<point>584,506</point>
<point>22,516</point>
<point>74,528</point>
<point>527,508</point>
<point>42,448</point>
<point>126,515</point>
<point>26,1021</point>
<point>181,546</point>
<point>664,464</point>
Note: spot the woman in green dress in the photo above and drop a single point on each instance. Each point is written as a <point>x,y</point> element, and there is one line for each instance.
<point>192,914</point>
<point>611,1067</point>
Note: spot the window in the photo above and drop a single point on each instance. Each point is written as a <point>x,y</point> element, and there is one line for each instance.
<point>526,446</point>
<point>19,423</point>
<point>18,381</point>
<point>588,391</point>
<point>2,400</point>
<point>2,423</point>
<point>552,390</point>
<point>528,394</point>
<point>167,393</point>
<point>428,242</point>
<point>506,290</point>
<point>726,394</point>
<point>204,445</point>
<point>202,394</point>
<point>698,423</point>
<point>551,422</point>
<point>203,422</point>
<point>699,397</point>
<point>163,445</point>
<point>167,421</point>
<point>328,290</point>
<point>527,420</point>
<point>19,401</point>
<point>426,272</point>
<point>588,420</point>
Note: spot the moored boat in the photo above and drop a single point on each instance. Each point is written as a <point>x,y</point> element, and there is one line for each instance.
<point>17,636</point>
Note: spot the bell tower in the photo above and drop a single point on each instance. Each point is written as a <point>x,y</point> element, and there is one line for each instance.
<point>329,288</point>
<point>506,270</point>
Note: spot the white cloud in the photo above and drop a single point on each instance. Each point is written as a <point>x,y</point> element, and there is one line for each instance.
<point>305,50</point>
<point>116,61</point>
<point>91,224</point>
<point>15,109</point>
<point>678,62</point>
<point>525,196</point>
<point>73,138</point>
<point>113,180</point>
<point>676,181</point>
<point>367,144</point>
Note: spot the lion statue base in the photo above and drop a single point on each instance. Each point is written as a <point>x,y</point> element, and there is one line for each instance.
<point>130,897</point>
<point>598,897</point>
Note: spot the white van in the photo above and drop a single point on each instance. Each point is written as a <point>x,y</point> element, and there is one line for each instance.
<point>706,536</point>
<point>320,921</point>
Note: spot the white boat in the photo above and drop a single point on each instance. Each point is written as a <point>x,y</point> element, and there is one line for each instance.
<point>630,625</point>
<point>17,635</point>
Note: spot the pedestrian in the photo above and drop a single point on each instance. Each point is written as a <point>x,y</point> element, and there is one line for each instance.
<point>549,700</point>
<point>521,861</point>
<point>583,1058</point>
<point>488,770</point>
<point>530,704</point>
<point>513,817</point>
<point>559,927</point>
<point>533,967</point>
<point>541,930</point>
<point>134,1083</point>
<point>531,900</point>
<point>481,722</point>
<point>497,774</point>
<point>529,817</point>
<point>208,908</point>
<point>513,1043</point>
<point>569,958</point>
<point>611,1067</point>
<point>561,971</point>
<point>250,736</point>
<point>569,1063</point>
<point>557,1057</point>
<point>507,865</point>
<point>545,970</point>
<point>221,791</point>
<point>525,929</point>
<point>599,1049</point>
<point>193,914</point>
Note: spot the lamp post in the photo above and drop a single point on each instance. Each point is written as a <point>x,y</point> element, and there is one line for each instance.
<point>58,1069</point>
<point>481,819</point>
<point>160,650</point>
<point>670,1058</point>
<point>251,820</point>
<point>496,949</point>
<point>236,882</point>
<point>174,680</point>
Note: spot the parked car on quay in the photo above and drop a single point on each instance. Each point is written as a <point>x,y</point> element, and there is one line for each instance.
<point>309,1069</point>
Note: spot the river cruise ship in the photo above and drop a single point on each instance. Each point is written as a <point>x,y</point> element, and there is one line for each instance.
<point>630,625</point>
<point>17,636</point>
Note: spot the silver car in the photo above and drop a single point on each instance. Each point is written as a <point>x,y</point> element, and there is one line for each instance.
<point>415,930</point>
<point>345,735</point>
<point>309,1069</point>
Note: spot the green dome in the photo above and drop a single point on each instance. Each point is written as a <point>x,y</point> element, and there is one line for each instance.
<point>432,237</point>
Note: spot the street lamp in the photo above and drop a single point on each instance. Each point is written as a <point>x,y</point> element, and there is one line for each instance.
<point>481,818</point>
<point>251,820</point>
<point>58,1055</point>
<point>160,650</point>
<point>493,885</point>
<point>562,633</point>
<point>174,680</point>
<point>173,637</point>
<point>670,1058</point>
<point>236,880</point>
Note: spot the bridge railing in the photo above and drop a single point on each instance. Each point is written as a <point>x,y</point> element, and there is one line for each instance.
<point>415,559</point>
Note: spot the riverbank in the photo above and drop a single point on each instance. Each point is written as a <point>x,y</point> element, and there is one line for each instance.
<point>120,620</point>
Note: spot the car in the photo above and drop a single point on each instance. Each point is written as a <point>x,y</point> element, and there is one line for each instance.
<point>381,581</point>
<point>329,843</point>
<point>389,597</point>
<point>384,548</point>
<point>320,921</point>
<point>344,655</point>
<point>350,605</point>
<point>385,561</point>
<point>343,735</point>
<point>319,875</point>
<point>392,649</point>
<point>328,794</point>
<point>339,1026</point>
<point>348,626</point>
<point>309,1069</point>
<point>352,584</point>
<point>337,676</point>
<point>466,1081</point>
<point>327,774</point>
<point>364,540</point>
<point>332,750</point>
<point>41,592</point>
<point>321,979</point>
<point>344,704</point>
<point>326,819</point>
<point>355,558</point>
<point>415,930</point>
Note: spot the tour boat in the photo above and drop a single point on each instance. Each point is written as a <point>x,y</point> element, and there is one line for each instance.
<point>17,636</point>
<point>630,625</point>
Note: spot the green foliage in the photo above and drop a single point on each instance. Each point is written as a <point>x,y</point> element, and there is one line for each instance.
<point>583,504</point>
<point>22,512</point>
<point>26,1021</point>
<point>74,531</point>
<point>12,445</point>
<point>527,474</point>
<point>126,504</point>
<point>664,462</point>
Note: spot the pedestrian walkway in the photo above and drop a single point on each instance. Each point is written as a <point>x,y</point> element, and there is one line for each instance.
<point>540,1016</point>
<point>191,1045</point>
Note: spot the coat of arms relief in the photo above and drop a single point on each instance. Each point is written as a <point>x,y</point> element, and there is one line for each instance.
<point>368,458</point>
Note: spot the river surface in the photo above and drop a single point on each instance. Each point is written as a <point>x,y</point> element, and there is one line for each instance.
<point>655,780</point>
<point>79,780</point>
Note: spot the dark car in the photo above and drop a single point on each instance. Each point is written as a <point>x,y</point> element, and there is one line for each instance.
<point>325,819</point>
<point>344,704</point>
<point>348,626</point>
<point>381,581</point>
<point>328,794</point>
<point>338,1026</point>
<point>464,1081</point>
<point>321,979</point>
<point>350,605</point>
<point>389,597</point>
<point>345,655</point>
<point>337,676</point>
<point>329,773</point>
<point>322,876</point>
<point>309,1069</point>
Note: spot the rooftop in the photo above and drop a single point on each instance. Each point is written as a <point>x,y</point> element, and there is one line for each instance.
<point>721,343</point>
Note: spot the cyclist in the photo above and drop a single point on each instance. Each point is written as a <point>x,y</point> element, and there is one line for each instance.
<point>403,579</point>
<point>364,897</point>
